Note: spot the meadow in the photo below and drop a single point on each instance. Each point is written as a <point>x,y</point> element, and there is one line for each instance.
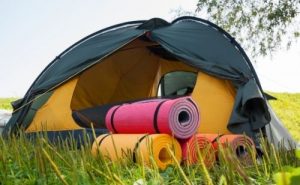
<point>24,161</point>
<point>287,108</point>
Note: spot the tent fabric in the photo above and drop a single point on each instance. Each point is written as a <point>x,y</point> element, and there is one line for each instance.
<point>195,42</point>
<point>278,134</point>
<point>55,114</point>
<point>216,55</point>
<point>84,55</point>
<point>122,67</point>
<point>35,106</point>
<point>215,98</point>
<point>72,138</point>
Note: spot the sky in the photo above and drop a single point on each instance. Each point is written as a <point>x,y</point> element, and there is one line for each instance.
<point>33,33</point>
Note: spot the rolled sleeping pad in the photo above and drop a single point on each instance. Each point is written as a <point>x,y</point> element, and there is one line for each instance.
<point>239,144</point>
<point>140,146</point>
<point>96,115</point>
<point>195,146</point>
<point>178,117</point>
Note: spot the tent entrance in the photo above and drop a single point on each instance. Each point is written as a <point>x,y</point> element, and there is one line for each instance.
<point>131,73</point>
<point>141,69</point>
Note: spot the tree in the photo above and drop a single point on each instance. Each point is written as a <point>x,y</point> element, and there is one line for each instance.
<point>260,26</point>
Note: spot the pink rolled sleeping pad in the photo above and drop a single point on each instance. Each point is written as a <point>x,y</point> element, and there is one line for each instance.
<point>178,117</point>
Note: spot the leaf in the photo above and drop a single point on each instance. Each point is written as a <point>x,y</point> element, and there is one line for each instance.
<point>295,177</point>
<point>282,178</point>
<point>256,22</point>
<point>291,176</point>
<point>295,180</point>
<point>296,172</point>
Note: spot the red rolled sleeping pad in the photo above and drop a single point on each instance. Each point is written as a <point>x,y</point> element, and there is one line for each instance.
<point>208,145</point>
<point>241,145</point>
<point>178,117</point>
<point>197,145</point>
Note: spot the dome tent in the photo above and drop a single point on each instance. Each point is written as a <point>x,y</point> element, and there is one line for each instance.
<point>128,61</point>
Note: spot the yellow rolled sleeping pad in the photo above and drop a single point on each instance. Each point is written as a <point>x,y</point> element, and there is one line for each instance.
<point>140,146</point>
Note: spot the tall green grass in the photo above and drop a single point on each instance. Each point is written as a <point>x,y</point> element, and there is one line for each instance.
<point>287,108</point>
<point>24,161</point>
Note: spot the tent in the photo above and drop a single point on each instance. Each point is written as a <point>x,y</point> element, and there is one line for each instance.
<point>150,58</point>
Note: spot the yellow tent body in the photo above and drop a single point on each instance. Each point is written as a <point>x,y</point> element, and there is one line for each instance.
<point>133,72</point>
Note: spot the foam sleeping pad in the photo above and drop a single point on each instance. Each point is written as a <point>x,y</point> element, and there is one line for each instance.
<point>178,117</point>
<point>138,147</point>
<point>96,115</point>
<point>198,144</point>
<point>239,144</point>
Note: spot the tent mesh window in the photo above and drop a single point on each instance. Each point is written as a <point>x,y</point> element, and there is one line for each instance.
<point>177,83</point>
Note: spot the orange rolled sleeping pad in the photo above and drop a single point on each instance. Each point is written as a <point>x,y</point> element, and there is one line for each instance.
<point>239,144</point>
<point>139,146</point>
<point>195,146</point>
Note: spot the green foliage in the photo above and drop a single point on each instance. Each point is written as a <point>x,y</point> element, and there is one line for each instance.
<point>24,161</point>
<point>287,108</point>
<point>259,26</point>
<point>27,162</point>
<point>289,175</point>
<point>298,154</point>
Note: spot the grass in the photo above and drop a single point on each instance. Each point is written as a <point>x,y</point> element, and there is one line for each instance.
<point>27,162</point>
<point>287,108</point>
<point>5,103</point>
